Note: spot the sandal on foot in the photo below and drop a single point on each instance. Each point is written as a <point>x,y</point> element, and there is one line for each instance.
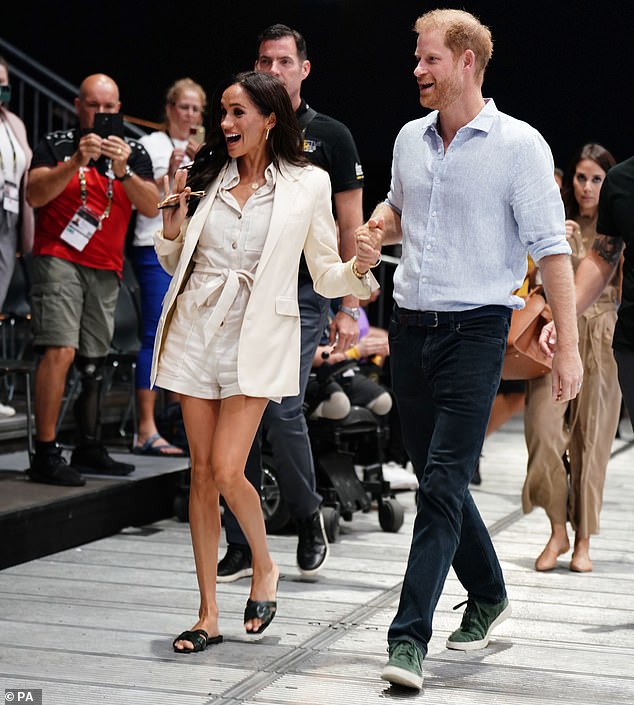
<point>162,450</point>
<point>260,609</point>
<point>199,638</point>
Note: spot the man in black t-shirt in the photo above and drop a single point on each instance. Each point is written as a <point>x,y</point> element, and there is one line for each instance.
<point>328,143</point>
<point>616,237</point>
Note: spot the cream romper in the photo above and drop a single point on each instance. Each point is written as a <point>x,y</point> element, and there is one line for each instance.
<point>200,354</point>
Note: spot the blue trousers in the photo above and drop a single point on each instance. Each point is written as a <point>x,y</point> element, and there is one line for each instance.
<point>444,379</point>
<point>285,429</point>
<point>153,284</point>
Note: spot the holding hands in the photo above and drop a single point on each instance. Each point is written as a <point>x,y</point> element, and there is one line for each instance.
<point>369,238</point>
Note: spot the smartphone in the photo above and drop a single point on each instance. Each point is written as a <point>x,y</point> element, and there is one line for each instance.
<point>107,124</point>
<point>197,134</point>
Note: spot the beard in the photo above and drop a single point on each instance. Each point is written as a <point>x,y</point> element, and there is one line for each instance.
<point>445,92</point>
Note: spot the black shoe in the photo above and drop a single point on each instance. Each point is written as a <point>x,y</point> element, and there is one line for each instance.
<point>312,544</point>
<point>476,479</point>
<point>94,460</point>
<point>236,564</point>
<point>50,468</point>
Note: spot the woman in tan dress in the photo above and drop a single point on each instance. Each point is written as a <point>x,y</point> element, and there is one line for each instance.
<point>569,444</point>
<point>228,339</point>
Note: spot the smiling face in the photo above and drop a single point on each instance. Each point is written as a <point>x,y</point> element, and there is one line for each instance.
<point>438,72</point>
<point>586,184</point>
<point>242,123</point>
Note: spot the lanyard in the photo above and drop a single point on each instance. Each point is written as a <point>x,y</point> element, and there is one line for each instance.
<point>84,192</point>
<point>15,158</point>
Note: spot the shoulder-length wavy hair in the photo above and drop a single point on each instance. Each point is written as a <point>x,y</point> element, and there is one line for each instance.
<point>284,144</point>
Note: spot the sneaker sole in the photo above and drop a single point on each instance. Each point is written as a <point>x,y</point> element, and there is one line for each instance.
<point>47,480</point>
<point>313,571</point>
<point>244,573</point>
<point>484,642</point>
<point>85,470</point>
<point>401,676</point>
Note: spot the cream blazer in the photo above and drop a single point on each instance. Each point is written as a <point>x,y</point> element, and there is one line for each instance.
<point>269,344</point>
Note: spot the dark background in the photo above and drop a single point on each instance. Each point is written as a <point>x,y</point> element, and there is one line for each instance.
<point>565,67</point>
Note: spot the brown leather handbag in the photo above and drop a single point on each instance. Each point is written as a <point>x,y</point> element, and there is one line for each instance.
<point>524,358</point>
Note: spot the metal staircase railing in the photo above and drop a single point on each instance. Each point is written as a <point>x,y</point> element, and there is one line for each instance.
<point>44,100</point>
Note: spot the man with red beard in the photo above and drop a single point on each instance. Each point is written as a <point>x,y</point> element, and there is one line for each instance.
<point>472,191</point>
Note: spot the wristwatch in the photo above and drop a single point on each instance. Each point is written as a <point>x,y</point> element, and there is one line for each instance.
<point>354,313</point>
<point>128,173</point>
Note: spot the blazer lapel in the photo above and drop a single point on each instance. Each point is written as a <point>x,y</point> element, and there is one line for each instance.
<point>281,203</point>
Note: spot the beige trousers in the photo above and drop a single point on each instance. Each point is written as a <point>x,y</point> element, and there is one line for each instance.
<point>582,430</point>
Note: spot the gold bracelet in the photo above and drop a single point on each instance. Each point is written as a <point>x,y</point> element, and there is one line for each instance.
<point>355,271</point>
<point>376,264</point>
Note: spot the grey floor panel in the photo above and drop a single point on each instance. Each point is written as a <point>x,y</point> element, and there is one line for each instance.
<point>105,614</point>
<point>194,673</point>
<point>80,694</point>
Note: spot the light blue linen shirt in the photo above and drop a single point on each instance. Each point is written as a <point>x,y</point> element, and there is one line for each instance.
<point>470,214</point>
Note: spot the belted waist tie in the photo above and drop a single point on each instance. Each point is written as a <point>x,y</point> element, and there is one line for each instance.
<point>229,281</point>
<point>435,319</point>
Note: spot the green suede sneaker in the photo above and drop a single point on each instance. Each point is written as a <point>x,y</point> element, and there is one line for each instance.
<point>404,666</point>
<point>477,624</point>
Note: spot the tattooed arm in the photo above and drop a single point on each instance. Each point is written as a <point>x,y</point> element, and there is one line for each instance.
<point>596,270</point>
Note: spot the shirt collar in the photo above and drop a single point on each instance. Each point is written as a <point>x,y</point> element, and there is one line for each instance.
<point>231,176</point>
<point>483,121</point>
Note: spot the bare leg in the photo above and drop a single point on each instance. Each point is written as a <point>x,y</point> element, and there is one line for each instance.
<point>237,424</point>
<point>581,562</point>
<point>50,382</point>
<point>204,510</point>
<point>557,545</point>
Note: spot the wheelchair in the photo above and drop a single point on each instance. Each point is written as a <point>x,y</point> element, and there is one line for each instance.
<point>348,455</point>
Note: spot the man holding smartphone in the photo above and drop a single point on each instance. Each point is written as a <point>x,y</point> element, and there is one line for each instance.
<point>84,183</point>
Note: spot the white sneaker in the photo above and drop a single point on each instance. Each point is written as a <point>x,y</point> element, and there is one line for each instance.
<point>400,478</point>
<point>6,410</point>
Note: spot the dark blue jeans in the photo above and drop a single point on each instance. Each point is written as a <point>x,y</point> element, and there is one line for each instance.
<point>444,379</point>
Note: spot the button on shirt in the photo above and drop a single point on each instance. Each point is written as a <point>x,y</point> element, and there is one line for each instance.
<point>470,213</point>
<point>228,253</point>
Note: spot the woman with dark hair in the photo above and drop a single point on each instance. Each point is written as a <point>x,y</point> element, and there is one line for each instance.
<point>228,340</point>
<point>569,444</point>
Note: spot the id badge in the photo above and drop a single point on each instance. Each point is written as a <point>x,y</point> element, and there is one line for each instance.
<point>11,197</point>
<point>81,227</point>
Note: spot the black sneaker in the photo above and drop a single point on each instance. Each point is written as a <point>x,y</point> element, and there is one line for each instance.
<point>236,564</point>
<point>312,544</point>
<point>50,468</point>
<point>94,460</point>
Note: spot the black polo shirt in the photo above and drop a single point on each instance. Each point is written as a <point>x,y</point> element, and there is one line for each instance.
<point>329,144</point>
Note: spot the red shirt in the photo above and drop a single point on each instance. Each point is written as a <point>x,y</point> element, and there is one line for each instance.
<point>105,249</point>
